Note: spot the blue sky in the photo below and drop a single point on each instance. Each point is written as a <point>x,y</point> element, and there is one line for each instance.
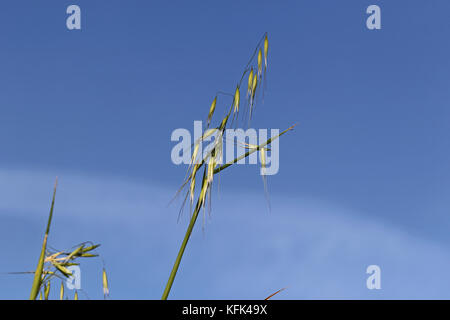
<point>363,178</point>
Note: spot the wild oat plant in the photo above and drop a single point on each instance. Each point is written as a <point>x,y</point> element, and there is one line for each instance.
<point>203,168</point>
<point>53,264</point>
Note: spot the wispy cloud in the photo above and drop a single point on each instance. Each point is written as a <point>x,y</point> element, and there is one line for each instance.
<point>317,250</point>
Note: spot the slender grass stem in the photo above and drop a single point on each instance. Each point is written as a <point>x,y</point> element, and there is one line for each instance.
<point>37,281</point>
<point>181,251</point>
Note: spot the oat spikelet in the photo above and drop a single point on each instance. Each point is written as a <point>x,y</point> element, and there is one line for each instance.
<point>250,83</point>
<point>77,251</point>
<point>211,110</point>
<point>262,152</point>
<point>192,185</point>
<point>195,153</point>
<point>252,99</point>
<point>218,148</point>
<point>105,284</point>
<point>95,246</point>
<point>88,255</point>
<point>62,269</point>
<point>61,291</point>
<point>263,161</point>
<point>211,166</point>
<point>46,290</point>
<point>223,124</point>
<point>259,63</point>
<point>202,196</point>
<point>254,84</point>
<point>266,50</point>
<point>236,99</point>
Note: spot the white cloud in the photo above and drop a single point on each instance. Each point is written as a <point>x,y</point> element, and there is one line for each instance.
<point>318,250</point>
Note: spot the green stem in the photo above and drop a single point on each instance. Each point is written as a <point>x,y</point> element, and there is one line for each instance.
<point>37,281</point>
<point>181,251</point>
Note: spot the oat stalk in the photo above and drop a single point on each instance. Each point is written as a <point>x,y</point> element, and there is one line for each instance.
<point>212,160</point>
<point>37,281</point>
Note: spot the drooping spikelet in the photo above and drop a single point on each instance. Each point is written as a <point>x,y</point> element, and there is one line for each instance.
<point>192,185</point>
<point>211,110</point>
<point>91,248</point>
<point>259,63</point>
<point>254,84</point>
<point>211,166</point>
<point>195,153</point>
<point>46,290</point>
<point>61,291</point>
<point>263,173</point>
<point>266,50</point>
<point>66,272</point>
<point>77,251</point>
<point>252,98</point>
<point>263,161</point>
<point>88,255</point>
<point>223,124</point>
<point>250,83</point>
<point>218,148</point>
<point>236,99</point>
<point>105,284</point>
<point>204,189</point>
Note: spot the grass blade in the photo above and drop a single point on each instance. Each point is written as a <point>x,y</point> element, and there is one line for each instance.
<point>37,281</point>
